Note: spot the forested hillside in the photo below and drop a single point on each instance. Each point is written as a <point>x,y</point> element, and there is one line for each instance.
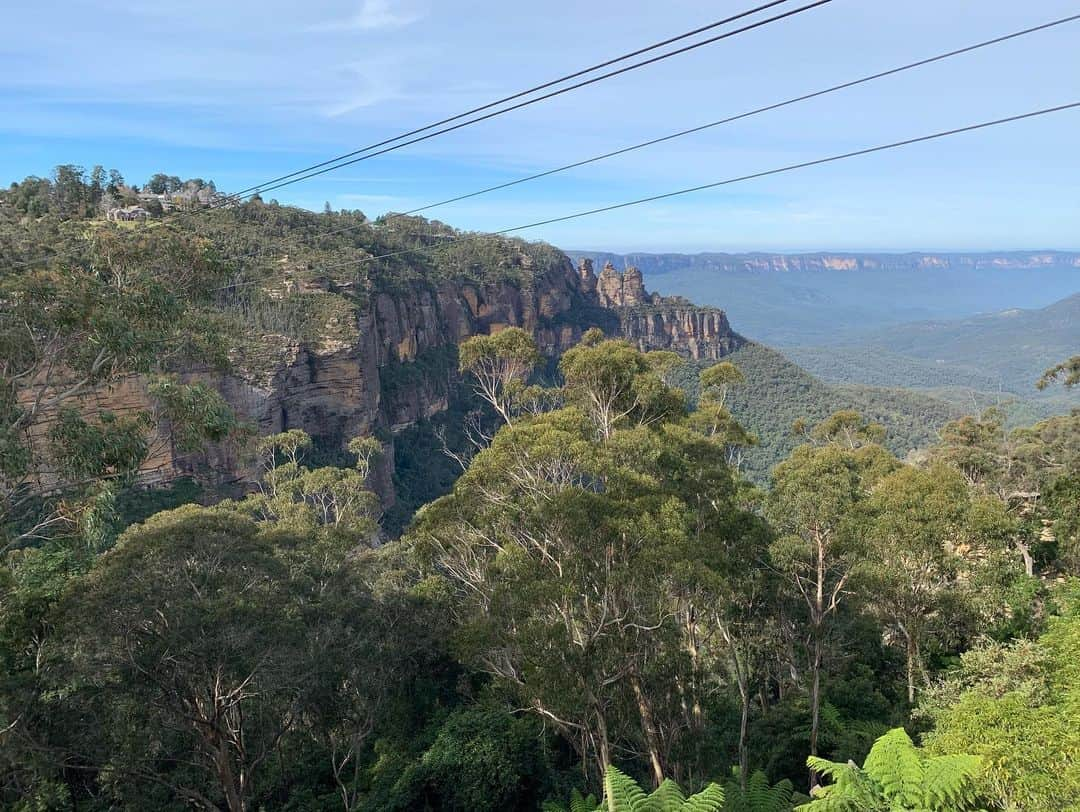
<point>290,524</point>
<point>777,395</point>
<point>1012,347</point>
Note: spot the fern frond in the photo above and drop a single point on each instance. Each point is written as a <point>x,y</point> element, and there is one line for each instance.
<point>587,803</point>
<point>833,769</point>
<point>578,803</point>
<point>710,799</point>
<point>621,792</point>
<point>665,798</point>
<point>896,765</point>
<point>758,796</point>
<point>950,782</point>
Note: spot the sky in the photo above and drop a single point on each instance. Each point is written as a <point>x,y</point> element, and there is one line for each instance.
<point>246,90</point>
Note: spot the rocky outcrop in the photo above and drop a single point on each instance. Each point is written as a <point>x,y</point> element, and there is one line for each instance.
<point>615,289</point>
<point>696,332</point>
<point>396,365</point>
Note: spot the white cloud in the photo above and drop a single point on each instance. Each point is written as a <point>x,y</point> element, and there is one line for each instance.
<point>365,84</point>
<point>373,15</point>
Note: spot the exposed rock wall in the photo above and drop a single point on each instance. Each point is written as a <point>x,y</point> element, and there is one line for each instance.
<point>615,289</point>
<point>397,369</point>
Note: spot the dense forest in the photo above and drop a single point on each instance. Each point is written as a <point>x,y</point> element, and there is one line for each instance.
<point>612,604</point>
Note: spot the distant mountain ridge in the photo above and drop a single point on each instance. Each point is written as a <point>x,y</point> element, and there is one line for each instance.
<point>1005,351</point>
<point>661,263</point>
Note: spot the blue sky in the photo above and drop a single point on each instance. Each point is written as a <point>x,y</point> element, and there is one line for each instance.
<point>244,90</point>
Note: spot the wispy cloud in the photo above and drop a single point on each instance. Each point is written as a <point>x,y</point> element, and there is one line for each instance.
<point>373,15</point>
<point>365,84</point>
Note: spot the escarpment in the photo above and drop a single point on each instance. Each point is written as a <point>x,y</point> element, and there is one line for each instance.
<point>388,360</point>
<point>655,322</point>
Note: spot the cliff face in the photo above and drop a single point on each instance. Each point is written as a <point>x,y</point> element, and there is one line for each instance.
<point>655,264</point>
<point>655,322</point>
<point>398,366</point>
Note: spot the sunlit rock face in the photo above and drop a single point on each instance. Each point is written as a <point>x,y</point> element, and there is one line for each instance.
<point>396,365</point>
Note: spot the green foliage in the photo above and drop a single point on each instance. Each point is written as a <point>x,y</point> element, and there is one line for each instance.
<point>614,384</point>
<point>196,413</point>
<point>480,759</point>
<point>500,365</point>
<point>622,794</point>
<point>777,393</point>
<point>757,795</point>
<point>137,305</point>
<point>1017,707</point>
<point>329,504</point>
<point>1067,371</point>
<point>897,776</point>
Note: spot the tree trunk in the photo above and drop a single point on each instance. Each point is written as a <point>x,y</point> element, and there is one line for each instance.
<point>229,788</point>
<point>744,724</point>
<point>815,706</point>
<point>1025,553</point>
<point>648,725</point>
<point>603,751</point>
<point>742,679</point>
<point>911,657</point>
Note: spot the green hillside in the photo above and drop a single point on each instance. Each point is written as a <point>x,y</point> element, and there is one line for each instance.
<point>778,392</point>
<point>1013,346</point>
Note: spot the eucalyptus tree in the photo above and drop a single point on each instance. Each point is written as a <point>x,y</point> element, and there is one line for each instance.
<point>917,533</point>
<point>192,668</point>
<point>500,366</point>
<point>812,506</point>
<point>571,544</point>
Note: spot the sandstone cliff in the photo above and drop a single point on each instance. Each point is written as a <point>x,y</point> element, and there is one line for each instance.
<point>396,365</point>
<point>653,264</point>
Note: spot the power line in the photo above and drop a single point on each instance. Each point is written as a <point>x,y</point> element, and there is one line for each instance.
<point>709,125</point>
<point>522,93</point>
<point>740,116</point>
<point>729,181</point>
<point>518,106</point>
<point>324,167</point>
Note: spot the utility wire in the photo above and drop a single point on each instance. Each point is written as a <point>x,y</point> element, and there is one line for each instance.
<point>776,18</point>
<point>324,167</point>
<point>522,93</point>
<point>740,116</point>
<point>748,114</point>
<point>729,181</point>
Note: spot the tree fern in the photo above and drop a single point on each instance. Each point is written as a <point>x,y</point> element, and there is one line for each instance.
<point>758,796</point>
<point>896,764</point>
<point>622,794</point>
<point>578,803</point>
<point>896,777</point>
<point>666,796</point>
<point>710,799</point>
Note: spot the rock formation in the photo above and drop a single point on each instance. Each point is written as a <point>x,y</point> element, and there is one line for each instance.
<point>616,289</point>
<point>398,366</point>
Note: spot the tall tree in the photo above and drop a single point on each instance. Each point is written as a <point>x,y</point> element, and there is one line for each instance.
<point>814,497</point>
<point>916,532</point>
<point>500,365</point>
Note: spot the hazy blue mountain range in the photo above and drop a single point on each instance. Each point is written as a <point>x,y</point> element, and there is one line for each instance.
<point>812,306</point>
<point>835,261</point>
